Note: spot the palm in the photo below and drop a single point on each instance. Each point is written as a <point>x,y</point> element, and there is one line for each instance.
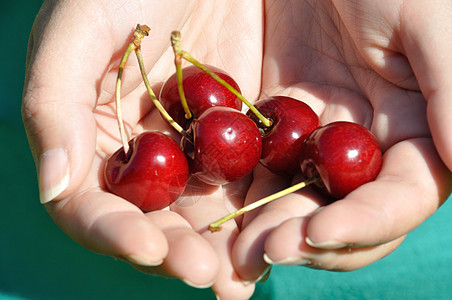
<point>117,227</point>
<point>313,57</point>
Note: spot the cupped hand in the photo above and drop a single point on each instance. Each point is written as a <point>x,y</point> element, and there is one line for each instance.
<point>345,60</point>
<point>385,65</point>
<point>69,114</point>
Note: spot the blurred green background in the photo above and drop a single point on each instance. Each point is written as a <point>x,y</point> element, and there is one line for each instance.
<point>38,261</point>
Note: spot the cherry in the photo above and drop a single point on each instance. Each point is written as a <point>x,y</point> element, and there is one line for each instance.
<point>336,158</point>
<point>292,121</point>
<point>344,155</point>
<point>201,92</point>
<point>226,146</point>
<point>150,171</point>
<point>152,175</point>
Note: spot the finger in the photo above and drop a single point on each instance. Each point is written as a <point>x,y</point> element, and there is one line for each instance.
<point>190,257</point>
<point>264,183</point>
<point>204,209</point>
<point>60,94</point>
<point>427,45</point>
<point>375,38</point>
<point>411,186</point>
<point>286,245</point>
<point>107,224</point>
<point>249,248</point>
<point>160,242</point>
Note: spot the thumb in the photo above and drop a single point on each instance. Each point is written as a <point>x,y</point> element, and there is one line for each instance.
<point>59,97</point>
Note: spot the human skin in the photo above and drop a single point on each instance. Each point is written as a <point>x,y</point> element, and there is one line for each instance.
<point>383,64</point>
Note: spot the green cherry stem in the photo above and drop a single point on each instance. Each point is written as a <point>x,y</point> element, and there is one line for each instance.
<point>140,32</point>
<point>175,43</point>
<point>216,226</point>
<point>175,39</point>
<point>154,99</point>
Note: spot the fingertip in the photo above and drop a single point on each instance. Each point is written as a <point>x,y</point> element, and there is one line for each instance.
<point>190,257</point>
<point>329,244</point>
<point>262,277</point>
<point>311,237</point>
<point>285,245</point>
<point>201,264</point>
<point>199,285</point>
<point>288,261</point>
<point>53,178</point>
<point>62,138</point>
<point>120,230</point>
<point>250,240</point>
<point>148,247</point>
<point>440,120</point>
<point>233,288</point>
<point>329,227</point>
<point>228,284</point>
<point>141,261</point>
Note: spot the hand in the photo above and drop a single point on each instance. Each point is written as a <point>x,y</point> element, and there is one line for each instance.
<point>387,66</point>
<point>76,115</point>
<point>75,50</point>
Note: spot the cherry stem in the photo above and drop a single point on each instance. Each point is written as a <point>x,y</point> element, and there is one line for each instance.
<point>140,32</point>
<point>122,131</point>
<point>216,226</point>
<point>175,38</point>
<point>154,99</point>
<point>175,43</point>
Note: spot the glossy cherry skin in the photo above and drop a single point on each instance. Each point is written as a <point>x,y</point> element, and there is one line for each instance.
<point>227,146</point>
<point>344,155</point>
<point>292,121</point>
<point>153,177</point>
<point>201,92</point>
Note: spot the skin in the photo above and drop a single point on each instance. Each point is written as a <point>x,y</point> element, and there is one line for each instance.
<point>383,64</point>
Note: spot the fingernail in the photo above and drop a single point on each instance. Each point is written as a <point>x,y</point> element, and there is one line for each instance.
<point>261,277</point>
<point>198,286</point>
<point>266,275</point>
<point>326,245</point>
<point>53,174</point>
<point>289,261</point>
<point>135,259</point>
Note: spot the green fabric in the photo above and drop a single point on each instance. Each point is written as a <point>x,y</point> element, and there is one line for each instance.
<point>38,261</point>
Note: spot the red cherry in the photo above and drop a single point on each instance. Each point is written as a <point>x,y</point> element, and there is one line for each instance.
<point>154,175</point>
<point>292,121</point>
<point>201,92</point>
<point>344,155</point>
<point>227,146</point>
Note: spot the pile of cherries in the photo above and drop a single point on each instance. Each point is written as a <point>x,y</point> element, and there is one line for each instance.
<point>221,144</point>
